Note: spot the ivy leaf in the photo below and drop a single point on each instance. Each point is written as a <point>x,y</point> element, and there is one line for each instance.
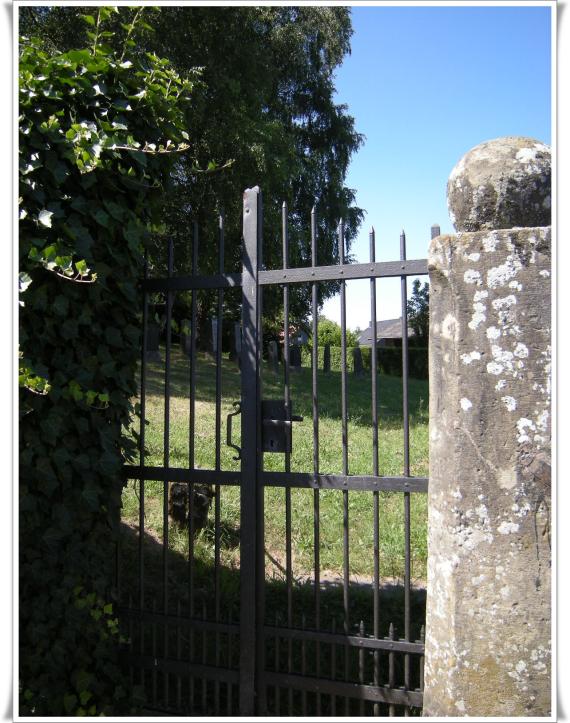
<point>44,217</point>
<point>69,702</point>
<point>91,497</point>
<point>85,696</point>
<point>61,305</point>
<point>24,280</point>
<point>113,336</point>
<point>102,218</point>
<point>82,679</point>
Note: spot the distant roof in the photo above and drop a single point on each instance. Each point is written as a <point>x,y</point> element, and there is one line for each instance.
<point>385,329</point>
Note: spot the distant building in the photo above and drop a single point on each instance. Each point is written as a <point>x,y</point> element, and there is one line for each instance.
<point>388,333</point>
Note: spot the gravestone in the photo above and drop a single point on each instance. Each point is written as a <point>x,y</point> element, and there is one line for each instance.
<point>185,336</point>
<point>273,354</point>
<point>357,361</point>
<point>295,358</point>
<point>152,353</point>
<point>327,358</point>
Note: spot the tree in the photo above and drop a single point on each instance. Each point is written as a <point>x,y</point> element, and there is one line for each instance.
<point>418,312</point>
<point>266,104</point>
<point>329,332</point>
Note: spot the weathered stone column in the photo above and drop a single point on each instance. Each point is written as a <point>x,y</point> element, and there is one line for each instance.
<point>488,601</point>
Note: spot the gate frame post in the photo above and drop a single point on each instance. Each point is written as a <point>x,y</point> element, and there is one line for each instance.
<point>250,503</point>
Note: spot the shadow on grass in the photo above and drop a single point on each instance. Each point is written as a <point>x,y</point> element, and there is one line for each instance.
<point>191,614</point>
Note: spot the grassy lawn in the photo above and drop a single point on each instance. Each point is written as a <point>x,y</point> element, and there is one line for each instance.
<point>331,501</point>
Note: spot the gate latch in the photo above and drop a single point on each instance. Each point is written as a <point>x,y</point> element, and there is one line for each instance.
<point>276,435</point>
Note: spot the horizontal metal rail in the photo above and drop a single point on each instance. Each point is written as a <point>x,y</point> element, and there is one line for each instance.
<point>378,694</point>
<point>181,474</point>
<point>379,269</point>
<point>280,479</point>
<point>344,482</point>
<point>169,619</point>
<point>183,667</point>
<point>187,283</point>
<point>356,641</point>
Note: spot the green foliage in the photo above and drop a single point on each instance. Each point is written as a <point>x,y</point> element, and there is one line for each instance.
<point>418,313</point>
<point>270,106</point>
<point>99,131</point>
<point>329,332</point>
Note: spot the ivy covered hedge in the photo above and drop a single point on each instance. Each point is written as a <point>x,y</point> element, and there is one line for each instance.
<point>98,133</point>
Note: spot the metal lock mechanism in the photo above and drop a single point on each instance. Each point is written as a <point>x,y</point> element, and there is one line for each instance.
<point>276,435</point>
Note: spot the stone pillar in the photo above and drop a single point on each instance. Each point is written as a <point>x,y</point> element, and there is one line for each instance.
<point>488,600</point>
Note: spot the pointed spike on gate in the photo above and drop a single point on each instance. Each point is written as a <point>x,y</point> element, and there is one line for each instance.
<point>403,245</point>
<point>341,240</point>
<point>391,631</point>
<point>361,628</point>
<point>423,633</point>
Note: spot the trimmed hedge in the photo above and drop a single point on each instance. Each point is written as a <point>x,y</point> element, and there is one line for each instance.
<point>389,359</point>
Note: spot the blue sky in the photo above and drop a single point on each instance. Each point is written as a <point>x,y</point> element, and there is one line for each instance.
<point>426,84</point>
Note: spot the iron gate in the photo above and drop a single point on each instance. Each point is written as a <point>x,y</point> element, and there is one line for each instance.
<point>199,644</point>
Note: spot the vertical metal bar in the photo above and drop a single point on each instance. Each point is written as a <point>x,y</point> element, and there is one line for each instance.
<point>153,648</point>
<point>178,656</point>
<point>422,657</point>
<point>142,440</point>
<point>391,673</point>
<point>287,394</point>
<point>361,665</point>
<point>303,665</point>
<point>204,661</point>
<point>218,455</point>
<point>251,450</point>
<point>166,489</point>
<point>277,689</point>
<point>130,640</point>
<point>192,421</point>
<point>316,492</point>
<point>260,686</point>
<point>229,687</point>
<point>344,406</point>
<point>407,569</point>
<point>375,469</point>
<point>192,445</point>
<point>333,668</point>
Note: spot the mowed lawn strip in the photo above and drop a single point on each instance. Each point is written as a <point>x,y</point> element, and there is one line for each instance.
<point>361,504</point>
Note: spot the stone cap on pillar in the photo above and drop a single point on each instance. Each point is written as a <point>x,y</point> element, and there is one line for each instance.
<point>500,184</point>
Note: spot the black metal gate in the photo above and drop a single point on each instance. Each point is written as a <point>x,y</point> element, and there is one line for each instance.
<point>197,643</point>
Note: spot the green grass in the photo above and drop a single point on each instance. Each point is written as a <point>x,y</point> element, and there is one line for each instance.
<point>391,505</point>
